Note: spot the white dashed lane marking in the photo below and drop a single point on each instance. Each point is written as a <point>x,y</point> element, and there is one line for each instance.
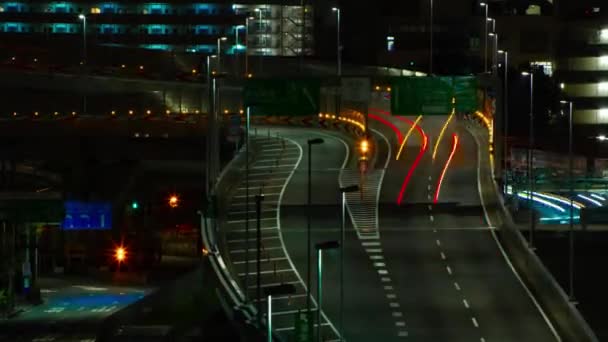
<point>475,322</point>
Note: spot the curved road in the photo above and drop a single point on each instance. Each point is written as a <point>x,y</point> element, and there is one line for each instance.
<point>434,272</point>
<point>453,281</point>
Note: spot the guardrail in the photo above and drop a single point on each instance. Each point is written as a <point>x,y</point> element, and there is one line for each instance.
<point>563,315</point>
<point>209,231</point>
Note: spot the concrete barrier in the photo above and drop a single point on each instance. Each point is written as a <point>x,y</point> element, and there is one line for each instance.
<point>561,314</point>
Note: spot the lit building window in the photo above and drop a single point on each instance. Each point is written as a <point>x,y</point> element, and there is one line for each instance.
<point>162,47</point>
<point>547,67</point>
<point>13,7</point>
<point>206,29</point>
<point>604,35</point>
<point>14,27</point>
<point>390,43</point>
<point>206,9</point>
<point>61,7</point>
<point>62,28</point>
<point>109,29</point>
<point>109,8</point>
<point>95,10</point>
<point>157,29</point>
<point>157,8</point>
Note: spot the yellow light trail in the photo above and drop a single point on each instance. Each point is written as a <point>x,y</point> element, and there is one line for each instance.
<point>407,136</point>
<point>445,125</point>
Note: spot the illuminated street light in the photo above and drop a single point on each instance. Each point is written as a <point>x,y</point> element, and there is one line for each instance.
<point>173,201</point>
<point>485,25</point>
<point>339,50</point>
<point>219,53</point>
<point>120,254</point>
<point>531,158</point>
<point>320,247</point>
<point>364,146</point>
<point>84,37</point>
<point>310,142</point>
<point>571,195</point>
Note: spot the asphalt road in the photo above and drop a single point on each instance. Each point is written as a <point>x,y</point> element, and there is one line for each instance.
<point>451,280</point>
<point>365,314</point>
<point>72,311</point>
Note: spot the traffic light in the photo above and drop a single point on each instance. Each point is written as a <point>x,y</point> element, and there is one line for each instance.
<point>364,146</point>
<point>173,201</point>
<point>134,205</point>
<point>120,254</point>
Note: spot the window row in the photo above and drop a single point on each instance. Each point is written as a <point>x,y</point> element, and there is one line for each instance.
<point>153,29</point>
<point>116,8</point>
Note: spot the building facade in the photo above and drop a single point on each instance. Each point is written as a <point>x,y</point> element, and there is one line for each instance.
<point>583,65</point>
<point>177,26</point>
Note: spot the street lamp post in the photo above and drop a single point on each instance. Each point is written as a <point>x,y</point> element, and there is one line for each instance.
<point>310,142</point>
<point>247,45</point>
<point>84,37</point>
<point>494,35</point>
<point>210,115</point>
<point>343,192</point>
<point>258,208</point>
<point>571,181</point>
<point>338,47</point>
<point>247,141</point>
<point>260,13</point>
<point>485,25</point>
<point>431,30</point>
<point>277,290</point>
<point>237,48</point>
<point>506,116</point>
<point>219,53</point>
<point>531,180</point>
<point>320,247</point>
<point>493,21</point>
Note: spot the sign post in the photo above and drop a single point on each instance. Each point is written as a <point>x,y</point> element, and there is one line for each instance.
<point>357,92</point>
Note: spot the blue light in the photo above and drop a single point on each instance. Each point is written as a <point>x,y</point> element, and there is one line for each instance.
<point>160,47</point>
<point>109,7</point>
<point>63,28</point>
<point>157,29</point>
<point>109,28</point>
<point>61,7</point>
<point>15,27</point>
<point>157,8</point>
<point>14,7</point>
<point>206,29</point>
<point>206,49</point>
<point>87,215</point>
<point>205,9</point>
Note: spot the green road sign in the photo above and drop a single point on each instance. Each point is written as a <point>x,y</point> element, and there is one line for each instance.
<point>432,95</point>
<point>465,92</point>
<point>282,96</point>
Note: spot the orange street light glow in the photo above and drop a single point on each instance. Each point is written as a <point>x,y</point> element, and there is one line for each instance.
<point>121,254</point>
<point>173,201</point>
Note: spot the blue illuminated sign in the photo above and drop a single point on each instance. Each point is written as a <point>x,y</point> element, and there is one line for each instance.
<point>87,215</point>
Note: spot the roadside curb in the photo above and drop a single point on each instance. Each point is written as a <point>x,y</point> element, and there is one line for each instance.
<point>553,302</point>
